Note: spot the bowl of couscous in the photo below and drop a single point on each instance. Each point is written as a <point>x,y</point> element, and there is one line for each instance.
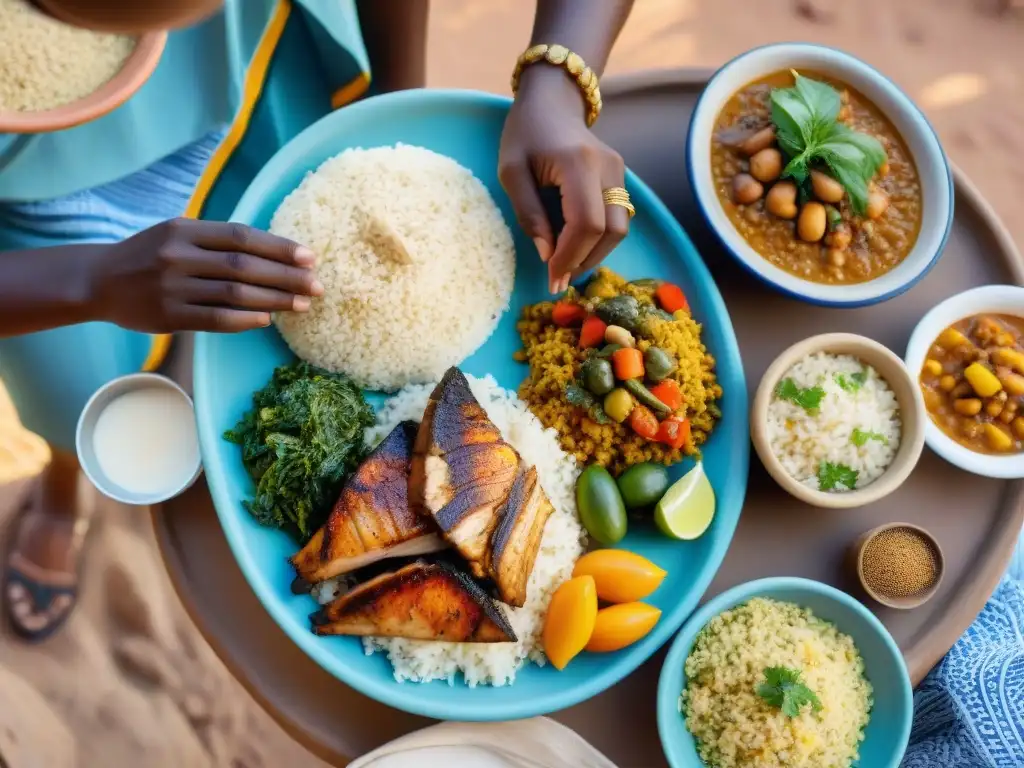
<point>784,672</point>
<point>55,76</point>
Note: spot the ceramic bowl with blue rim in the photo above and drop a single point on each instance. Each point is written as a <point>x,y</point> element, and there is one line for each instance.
<point>888,729</point>
<point>466,126</point>
<point>920,138</point>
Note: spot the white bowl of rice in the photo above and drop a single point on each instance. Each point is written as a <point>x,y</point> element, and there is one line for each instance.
<point>838,421</point>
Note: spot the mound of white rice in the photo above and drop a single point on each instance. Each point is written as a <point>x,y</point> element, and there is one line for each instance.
<point>416,261</point>
<point>563,543</point>
<point>855,426</point>
<point>45,64</point>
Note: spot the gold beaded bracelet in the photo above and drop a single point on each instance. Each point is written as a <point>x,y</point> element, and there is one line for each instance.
<point>560,56</point>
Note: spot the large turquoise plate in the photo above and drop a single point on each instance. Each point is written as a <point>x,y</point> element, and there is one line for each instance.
<point>467,127</point>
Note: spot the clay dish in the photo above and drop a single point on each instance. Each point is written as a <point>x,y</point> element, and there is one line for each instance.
<point>108,97</point>
<point>912,415</point>
<point>900,603</point>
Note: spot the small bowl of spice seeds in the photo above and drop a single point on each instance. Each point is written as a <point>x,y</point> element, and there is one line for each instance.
<point>899,565</point>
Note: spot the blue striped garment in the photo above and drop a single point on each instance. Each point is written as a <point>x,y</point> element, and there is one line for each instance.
<point>114,211</point>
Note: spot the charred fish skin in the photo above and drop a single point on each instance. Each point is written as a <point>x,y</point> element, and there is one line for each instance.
<point>371,517</point>
<point>459,419</point>
<point>517,538</point>
<point>421,601</point>
<point>462,468</point>
<point>488,471</point>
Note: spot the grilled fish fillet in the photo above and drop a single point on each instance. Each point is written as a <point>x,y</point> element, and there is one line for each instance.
<point>516,539</point>
<point>462,470</point>
<point>422,601</point>
<point>372,519</point>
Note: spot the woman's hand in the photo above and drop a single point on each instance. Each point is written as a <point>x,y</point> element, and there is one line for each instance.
<point>186,275</point>
<point>546,142</point>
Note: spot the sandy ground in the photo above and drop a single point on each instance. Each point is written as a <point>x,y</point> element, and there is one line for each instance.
<point>131,682</point>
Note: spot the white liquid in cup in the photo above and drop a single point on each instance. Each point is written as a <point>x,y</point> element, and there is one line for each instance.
<point>145,441</point>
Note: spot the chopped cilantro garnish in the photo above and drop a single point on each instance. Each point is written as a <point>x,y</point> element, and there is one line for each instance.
<point>831,475</point>
<point>860,437</point>
<point>852,382</point>
<point>808,398</point>
<point>782,688</point>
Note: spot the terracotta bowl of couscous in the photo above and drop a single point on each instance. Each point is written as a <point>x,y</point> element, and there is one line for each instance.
<point>55,76</point>
<point>784,672</point>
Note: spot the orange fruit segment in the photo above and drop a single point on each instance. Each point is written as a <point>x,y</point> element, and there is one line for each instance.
<point>620,625</point>
<point>570,620</point>
<point>620,576</point>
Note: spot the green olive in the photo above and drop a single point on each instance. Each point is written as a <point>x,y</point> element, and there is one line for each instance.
<point>598,376</point>
<point>658,364</point>
<point>618,405</point>
<point>600,506</point>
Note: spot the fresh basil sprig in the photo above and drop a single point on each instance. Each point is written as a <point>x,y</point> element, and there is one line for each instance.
<point>809,132</point>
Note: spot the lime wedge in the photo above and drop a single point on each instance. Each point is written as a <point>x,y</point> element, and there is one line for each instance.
<point>687,508</point>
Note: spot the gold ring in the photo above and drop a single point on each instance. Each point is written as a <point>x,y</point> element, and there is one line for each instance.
<point>618,196</point>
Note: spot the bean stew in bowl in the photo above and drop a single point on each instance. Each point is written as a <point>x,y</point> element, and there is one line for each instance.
<point>967,355</point>
<point>819,175</point>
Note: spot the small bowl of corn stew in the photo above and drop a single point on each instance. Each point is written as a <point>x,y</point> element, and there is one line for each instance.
<point>967,356</point>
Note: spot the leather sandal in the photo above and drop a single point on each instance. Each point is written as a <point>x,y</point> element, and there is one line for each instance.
<point>38,600</point>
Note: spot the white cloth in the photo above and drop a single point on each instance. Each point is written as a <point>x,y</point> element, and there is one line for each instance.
<point>535,743</point>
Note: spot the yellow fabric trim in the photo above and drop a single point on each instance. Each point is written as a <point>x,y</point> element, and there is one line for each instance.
<point>251,89</point>
<point>351,90</point>
<point>158,349</point>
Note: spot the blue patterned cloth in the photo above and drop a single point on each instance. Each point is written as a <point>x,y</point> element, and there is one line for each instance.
<point>969,711</point>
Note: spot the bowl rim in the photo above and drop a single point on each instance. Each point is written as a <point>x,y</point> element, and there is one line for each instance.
<point>898,603</point>
<point>86,425</point>
<point>911,442</point>
<point>627,661</point>
<point>667,705</point>
<point>943,314</point>
<point>132,75</point>
<point>790,285</point>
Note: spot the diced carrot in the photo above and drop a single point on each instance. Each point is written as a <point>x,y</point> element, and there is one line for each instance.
<point>674,432</point>
<point>671,297</point>
<point>669,393</point>
<point>592,333</point>
<point>643,422</point>
<point>566,314</point>
<point>628,363</point>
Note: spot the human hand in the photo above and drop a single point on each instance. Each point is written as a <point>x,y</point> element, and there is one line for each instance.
<point>546,142</point>
<point>187,275</point>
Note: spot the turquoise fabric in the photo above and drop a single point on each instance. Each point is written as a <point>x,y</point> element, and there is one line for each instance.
<point>295,94</point>
<point>104,181</point>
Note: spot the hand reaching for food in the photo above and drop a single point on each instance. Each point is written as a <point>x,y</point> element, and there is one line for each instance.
<point>547,140</point>
<point>546,143</point>
<point>187,275</point>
